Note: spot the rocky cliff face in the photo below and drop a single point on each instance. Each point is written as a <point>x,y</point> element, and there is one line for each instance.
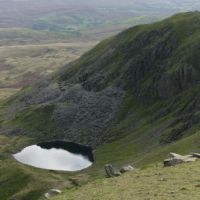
<point>156,65</point>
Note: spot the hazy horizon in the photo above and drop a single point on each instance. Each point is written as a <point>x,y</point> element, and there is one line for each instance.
<point>113,3</point>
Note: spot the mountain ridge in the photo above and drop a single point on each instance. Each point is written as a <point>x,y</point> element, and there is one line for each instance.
<point>145,63</point>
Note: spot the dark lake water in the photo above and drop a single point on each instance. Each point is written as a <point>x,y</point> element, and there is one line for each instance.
<point>56,155</point>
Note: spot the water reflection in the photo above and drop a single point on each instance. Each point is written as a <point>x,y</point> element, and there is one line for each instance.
<point>54,158</point>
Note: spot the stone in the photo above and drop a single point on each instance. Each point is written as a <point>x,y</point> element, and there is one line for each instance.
<point>196,155</point>
<point>172,162</point>
<point>126,168</point>
<point>51,193</point>
<point>174,155</point>
<point>175,159</point>
<point>186,158</point>
<point>75,109</point>
<point>111,171</point>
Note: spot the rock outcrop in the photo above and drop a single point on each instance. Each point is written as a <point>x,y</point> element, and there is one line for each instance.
<point>111,171</point>
<point>175,159</point>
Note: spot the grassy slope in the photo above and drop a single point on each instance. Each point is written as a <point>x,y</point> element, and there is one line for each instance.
<point>30,183</point>
<point>156,183</point>
<point>24,182</point>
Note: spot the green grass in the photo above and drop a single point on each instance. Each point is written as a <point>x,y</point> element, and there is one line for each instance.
<point>142,147</point>
<point>5,93</point>
<point>36,118</point>
<point>25,182</point>
<point>156,183</point>
<point>139,147</point>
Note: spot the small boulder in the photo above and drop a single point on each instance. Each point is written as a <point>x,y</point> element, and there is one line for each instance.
<point>126,168</point>
<point>51,193</point>
<point>111,171</point>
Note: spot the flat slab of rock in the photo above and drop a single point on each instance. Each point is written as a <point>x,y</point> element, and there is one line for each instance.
<point>126,168</point>
<point>51,193</point>
<point>196,155</point>
<point>175,159</point>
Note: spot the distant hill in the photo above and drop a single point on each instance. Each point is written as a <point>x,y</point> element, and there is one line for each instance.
<point>69,16</point>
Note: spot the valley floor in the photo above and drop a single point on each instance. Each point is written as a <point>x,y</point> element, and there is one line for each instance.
<point>181,182</point>
<point>23,65</point>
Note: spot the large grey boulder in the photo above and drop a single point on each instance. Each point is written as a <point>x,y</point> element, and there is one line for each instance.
<point>126,168</point>
<point>175,159</point>
<point>51,193</point>
<point>111,171</point>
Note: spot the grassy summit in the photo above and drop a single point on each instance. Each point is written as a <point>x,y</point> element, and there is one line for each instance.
<point>134,98</point>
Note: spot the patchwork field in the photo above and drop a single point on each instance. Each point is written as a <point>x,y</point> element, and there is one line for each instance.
<point>23,65</point>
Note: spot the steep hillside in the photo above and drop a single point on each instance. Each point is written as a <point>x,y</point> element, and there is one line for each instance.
<point>144,75</point>
<point>134,98</point>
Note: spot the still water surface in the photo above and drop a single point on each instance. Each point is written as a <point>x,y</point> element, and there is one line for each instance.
<point>51,156</point>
